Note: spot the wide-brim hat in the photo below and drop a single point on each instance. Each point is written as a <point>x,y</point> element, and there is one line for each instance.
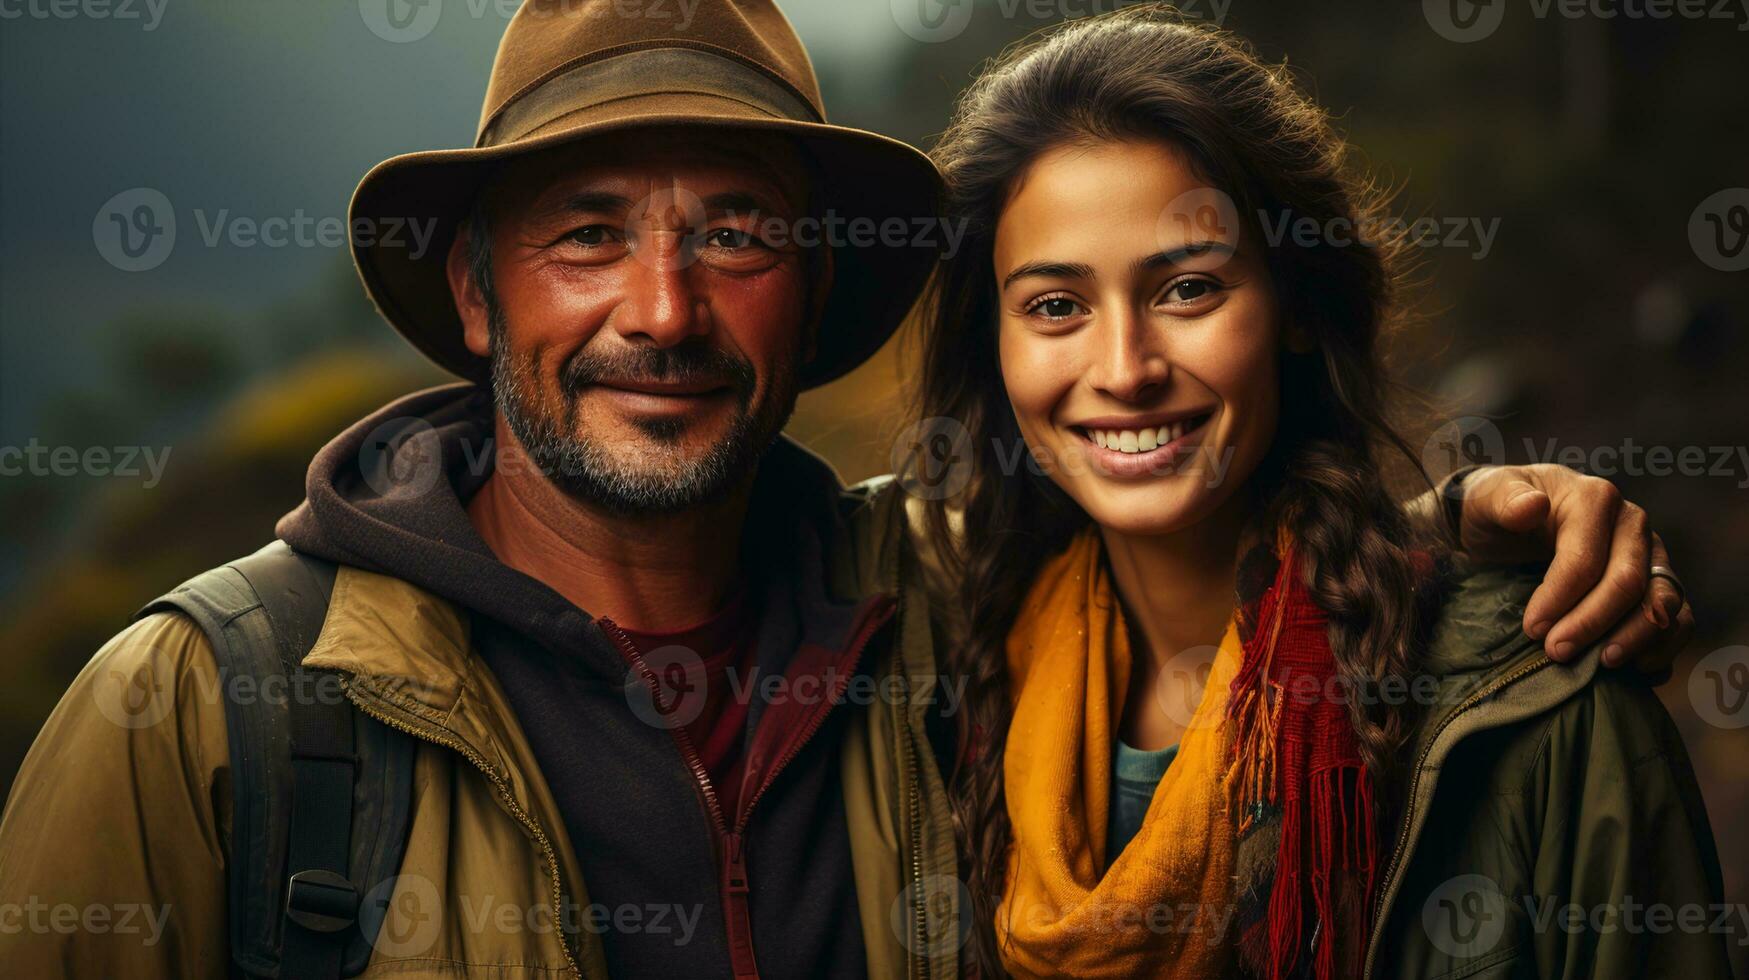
<point>570,70</point>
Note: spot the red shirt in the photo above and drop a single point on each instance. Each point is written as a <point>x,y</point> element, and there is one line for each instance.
<point>708,670</point>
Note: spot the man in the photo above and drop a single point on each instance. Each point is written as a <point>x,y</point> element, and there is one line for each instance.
<point>670,688</point>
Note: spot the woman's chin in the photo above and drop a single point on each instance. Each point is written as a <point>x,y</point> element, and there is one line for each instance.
<point>1168,506</point>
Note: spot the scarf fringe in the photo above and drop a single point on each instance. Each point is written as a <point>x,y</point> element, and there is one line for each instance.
<point>1325,809</point>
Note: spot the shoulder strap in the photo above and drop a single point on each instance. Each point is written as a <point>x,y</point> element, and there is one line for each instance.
<point>320,792</point>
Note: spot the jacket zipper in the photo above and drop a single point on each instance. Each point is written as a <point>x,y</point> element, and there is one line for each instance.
<point>728,844</point>
<point>732,843</point>
<point>439,736</point>
<point>914,812</point>
<point>1415,781</point>
<point>852,654</point>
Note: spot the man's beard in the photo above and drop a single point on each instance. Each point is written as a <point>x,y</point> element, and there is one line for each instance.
<point>588,472</point>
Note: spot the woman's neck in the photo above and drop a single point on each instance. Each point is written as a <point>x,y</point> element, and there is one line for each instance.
<point>1176,592</point>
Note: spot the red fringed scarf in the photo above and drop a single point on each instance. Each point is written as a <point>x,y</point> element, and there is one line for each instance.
<point>1294,750</point>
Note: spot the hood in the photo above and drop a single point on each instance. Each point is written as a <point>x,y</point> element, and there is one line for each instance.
<point>389,494</point>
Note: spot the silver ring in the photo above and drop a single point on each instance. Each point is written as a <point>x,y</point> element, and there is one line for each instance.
<point>1664,572</point>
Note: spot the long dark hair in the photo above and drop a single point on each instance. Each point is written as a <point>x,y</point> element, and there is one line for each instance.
<point>1147,73</point>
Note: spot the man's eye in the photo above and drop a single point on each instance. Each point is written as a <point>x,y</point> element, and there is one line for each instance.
<point>593,236</point>
<point>729,238</point>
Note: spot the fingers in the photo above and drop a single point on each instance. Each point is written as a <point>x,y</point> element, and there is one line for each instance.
<point>1620,589</point>
<point>1658,658</point>
<point>1505,517</point>
<point>1583,517</point>
<point>1662,601</point>
<point>1524,507</point>
<point>1651,639</point>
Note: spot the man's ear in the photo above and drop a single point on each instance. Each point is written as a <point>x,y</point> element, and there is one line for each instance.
<point>470,301</point>
<point>825,267</point>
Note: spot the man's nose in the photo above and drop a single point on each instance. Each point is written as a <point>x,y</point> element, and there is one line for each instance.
<point>662,305</point>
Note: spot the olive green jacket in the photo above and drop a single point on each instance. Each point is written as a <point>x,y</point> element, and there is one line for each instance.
<point>1554,827</point>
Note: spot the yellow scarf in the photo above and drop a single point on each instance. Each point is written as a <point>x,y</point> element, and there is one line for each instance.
<point>1163,909</point>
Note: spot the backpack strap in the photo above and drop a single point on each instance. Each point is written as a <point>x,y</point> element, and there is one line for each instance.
<point>321,793</point>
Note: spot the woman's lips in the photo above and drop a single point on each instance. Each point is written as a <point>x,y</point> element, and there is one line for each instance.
<point>1120,451</point>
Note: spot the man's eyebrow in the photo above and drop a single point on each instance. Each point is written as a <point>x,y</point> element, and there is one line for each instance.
<point>737,201</point>
<point>1177,256</point>
<point>1052,270</point>
<point>591,202</point>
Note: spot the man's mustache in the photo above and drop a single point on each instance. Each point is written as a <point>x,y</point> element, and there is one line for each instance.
<point>690,362</point>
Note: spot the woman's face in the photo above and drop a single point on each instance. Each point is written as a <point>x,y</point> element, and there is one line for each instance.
<point>1138,334</point>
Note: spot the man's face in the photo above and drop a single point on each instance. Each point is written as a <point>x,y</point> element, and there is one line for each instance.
<point>645,316</point>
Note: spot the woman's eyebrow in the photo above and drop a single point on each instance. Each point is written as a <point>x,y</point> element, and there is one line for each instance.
<point>1052,270</point>
<point>1177,256</point>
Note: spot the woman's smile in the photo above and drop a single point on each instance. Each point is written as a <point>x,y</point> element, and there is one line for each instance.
<point>1143,445</point>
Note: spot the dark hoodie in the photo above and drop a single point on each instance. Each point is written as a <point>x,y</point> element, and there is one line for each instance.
<point>772,883</point>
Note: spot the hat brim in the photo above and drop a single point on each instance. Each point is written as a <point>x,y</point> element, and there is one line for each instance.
<point>871,181</point>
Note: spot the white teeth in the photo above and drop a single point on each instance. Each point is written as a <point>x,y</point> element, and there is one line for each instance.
<point>1139,440</point>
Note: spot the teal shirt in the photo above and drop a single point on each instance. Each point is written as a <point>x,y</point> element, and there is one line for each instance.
<point>1135,774</point>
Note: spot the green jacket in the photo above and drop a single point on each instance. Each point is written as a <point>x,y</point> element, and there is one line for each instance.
<point>1534,787</point>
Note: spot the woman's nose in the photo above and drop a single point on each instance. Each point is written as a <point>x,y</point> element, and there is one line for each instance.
<point>1131,363</point>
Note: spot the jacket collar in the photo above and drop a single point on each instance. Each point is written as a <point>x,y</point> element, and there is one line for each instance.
<point>1490,675</point>
<point>408,650</point>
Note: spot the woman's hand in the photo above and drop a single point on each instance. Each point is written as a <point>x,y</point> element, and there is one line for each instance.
<point>1599,589</point>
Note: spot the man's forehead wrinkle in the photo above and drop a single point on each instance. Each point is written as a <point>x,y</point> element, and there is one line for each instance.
<point>620,192</point>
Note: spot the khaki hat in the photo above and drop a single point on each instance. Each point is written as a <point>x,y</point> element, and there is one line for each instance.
<point>584,69</point>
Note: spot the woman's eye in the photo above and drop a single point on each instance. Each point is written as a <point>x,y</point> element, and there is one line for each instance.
<point>1056,308</point>
<point>1190,290</point>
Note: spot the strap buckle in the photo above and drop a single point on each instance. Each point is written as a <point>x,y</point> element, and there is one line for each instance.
<point>321,901</point>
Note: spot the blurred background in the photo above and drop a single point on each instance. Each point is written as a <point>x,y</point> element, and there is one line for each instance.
<point>1586,167</point>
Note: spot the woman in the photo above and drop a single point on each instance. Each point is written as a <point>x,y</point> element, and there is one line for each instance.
<point>1229,711</point>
